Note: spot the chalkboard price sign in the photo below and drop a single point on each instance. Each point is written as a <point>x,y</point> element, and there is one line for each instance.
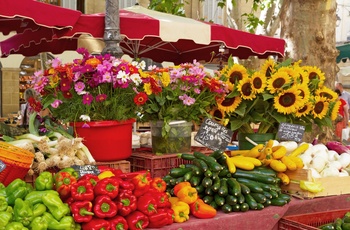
<point>290,132</point>
<point>213,135</point>
<point>86,169</point>
<point>2,166</point>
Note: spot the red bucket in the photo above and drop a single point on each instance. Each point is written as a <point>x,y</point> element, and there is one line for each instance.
<point>106,140</point>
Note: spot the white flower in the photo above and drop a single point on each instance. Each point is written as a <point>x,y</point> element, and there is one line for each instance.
<point>136,79</point>
<point>85,118</point>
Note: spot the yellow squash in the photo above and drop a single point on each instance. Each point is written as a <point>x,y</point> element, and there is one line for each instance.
<point>278,152</point>
<point>289,163</point>
<point>301,149</point>
<point>284,178</point>
<point>278,166</point>
<point>242,163</point>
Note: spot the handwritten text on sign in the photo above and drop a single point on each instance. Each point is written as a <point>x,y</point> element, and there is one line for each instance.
<point>213,135</point>
<point>86,169</point>
<point>290,132</point>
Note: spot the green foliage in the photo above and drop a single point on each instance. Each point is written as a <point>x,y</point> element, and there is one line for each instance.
<point>168,6</point>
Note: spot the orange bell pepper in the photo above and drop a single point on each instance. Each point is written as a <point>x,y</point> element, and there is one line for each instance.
<point>188,194</point>
<point>202,210</point>
<point>180,185</point>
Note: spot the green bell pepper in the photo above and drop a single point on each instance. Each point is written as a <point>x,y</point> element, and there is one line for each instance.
<point>15,226</point>
<point>55,205</point>
<point>67,222</point>
<point>3,203</point>
<point>71,171</point>
<point>5,218</point>
<point>2,185</point>
<point>22,212</point>
<point>38,209</point>
<point>44,181</point>
<point>35,197</point>
<point>39,223</point>
<point>16,189</point>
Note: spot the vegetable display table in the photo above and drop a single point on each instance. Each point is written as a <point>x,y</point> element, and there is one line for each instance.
<point>267,218</point>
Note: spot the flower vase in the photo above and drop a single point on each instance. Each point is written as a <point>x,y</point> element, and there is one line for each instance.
<point>176,140</point>
<point>106,140</point>
<point>259,138</point>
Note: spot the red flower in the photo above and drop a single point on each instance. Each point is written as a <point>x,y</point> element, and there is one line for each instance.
<point>140,98</point>
<point>154,86</point>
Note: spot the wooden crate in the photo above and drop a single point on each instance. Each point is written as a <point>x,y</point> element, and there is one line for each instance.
<point>332,185</point>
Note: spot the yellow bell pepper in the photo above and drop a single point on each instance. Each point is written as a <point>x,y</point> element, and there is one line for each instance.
<point>105,174</point>
<point>188,194</point>
<point>181,212</point>
<point>173,200</point>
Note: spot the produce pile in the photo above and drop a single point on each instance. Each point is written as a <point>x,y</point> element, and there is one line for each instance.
<point>338,224</point>
<point>231,183</point>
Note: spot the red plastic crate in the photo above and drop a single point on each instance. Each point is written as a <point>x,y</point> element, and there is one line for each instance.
<point>310,221</point>
<point>158,165</point>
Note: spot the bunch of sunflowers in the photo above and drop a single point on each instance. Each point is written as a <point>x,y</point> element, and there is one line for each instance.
<point>277,92</point>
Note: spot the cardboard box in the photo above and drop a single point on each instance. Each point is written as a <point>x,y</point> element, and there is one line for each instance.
<point>332,185</point>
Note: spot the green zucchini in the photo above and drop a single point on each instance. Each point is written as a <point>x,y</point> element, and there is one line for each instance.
<point>210,161</point>
<point>207,182</point>
<point>254,176</point>
<point>209,191</point>
<point>179,172</point>
<point>208,199</point>
<point>285,197</point>
<point>244,189</point>
<point>195,180</point>
<point>259,197</point>
<point>216,184</point>
<point>263,170</point>
<point>240,198</point>
<point>267,194</point>
<point>329,226</point>
<point>188,176</point>
<point>221,160</point>
<point>274,194</point>
<point>252,185</point>
<point>226,208</point>
<point>187,156</point>
<point>200,189</point>
<point>217,154</point>
<point>244,207</point>
<point>234,186</point>
<point>179,180</point>
<point>215,175</point>
<point>196,170</point>
<point>219,200</point>
<point>201,164</point>
<point>224,172</point>
<point>231,200</point>
<point>278,201</point>
<point>267,202</point>
<point>208,173</point>
<point>236,208</point>
<point>223,190</point>
<point>214,205</point>
<point>253,205</point>
<point>260,206</point>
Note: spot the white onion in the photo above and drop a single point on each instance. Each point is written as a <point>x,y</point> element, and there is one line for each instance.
<point>330,171</point>
<point>318,163</point>
<point>344,159</point>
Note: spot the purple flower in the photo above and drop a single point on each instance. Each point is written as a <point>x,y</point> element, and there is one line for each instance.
<point>187,100</point>
<point>87,99</point>
<point>56,103</point>
<point>85,125</point>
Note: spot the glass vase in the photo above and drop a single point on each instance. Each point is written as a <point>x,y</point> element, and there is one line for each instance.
<point>176,140</point>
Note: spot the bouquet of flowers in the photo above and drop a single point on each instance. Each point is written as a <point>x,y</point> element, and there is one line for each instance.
<point>93,88</point>
<point>278,92</point>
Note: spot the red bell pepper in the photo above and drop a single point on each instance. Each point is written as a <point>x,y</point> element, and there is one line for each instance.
<point>118,223</point>
<point>147,205</point>
<point>125,184</point>
<point>104,207</point>
<point>96,224</point>
<point>81,211</point>
<point>82,190</point>
<point>137,220</point>
<point>90,177</point>
<point>63,182</point>
<point>158,184</point>
<point>163,217</point>
<point>130,175</point>
<point>161,198</point>
<point>126,202</point>
<point>107,186</point>
<point>142,183</point>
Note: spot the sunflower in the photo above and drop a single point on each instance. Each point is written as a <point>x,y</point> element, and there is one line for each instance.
<point>236,73</point>
<point>277,82</point>
<point>288,101</point>
<point>327,93</point>
<point>304,110</point>
<point>258,82</point>
<point>218,116</point>
<point>229,105</point>
<point>304,91</point>
<point>321,106</point>
<point>335,110</point>
<point>245,88</point>
<point>314,72</point>
<point>268,68</point>
<point>292,72</point>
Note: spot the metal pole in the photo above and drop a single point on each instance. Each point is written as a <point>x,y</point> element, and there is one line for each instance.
<point>112,36</point>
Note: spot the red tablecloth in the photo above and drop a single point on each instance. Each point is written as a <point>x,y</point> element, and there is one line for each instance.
<point>266,219</point>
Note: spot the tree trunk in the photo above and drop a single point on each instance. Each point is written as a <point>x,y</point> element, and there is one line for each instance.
<point>308,26</point>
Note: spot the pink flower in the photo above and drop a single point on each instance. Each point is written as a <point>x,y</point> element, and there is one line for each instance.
<point>79,87</point>
<point>101,97</point>
<point>87,99</point>
<point>187,100</point>
<point>56,103</point>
